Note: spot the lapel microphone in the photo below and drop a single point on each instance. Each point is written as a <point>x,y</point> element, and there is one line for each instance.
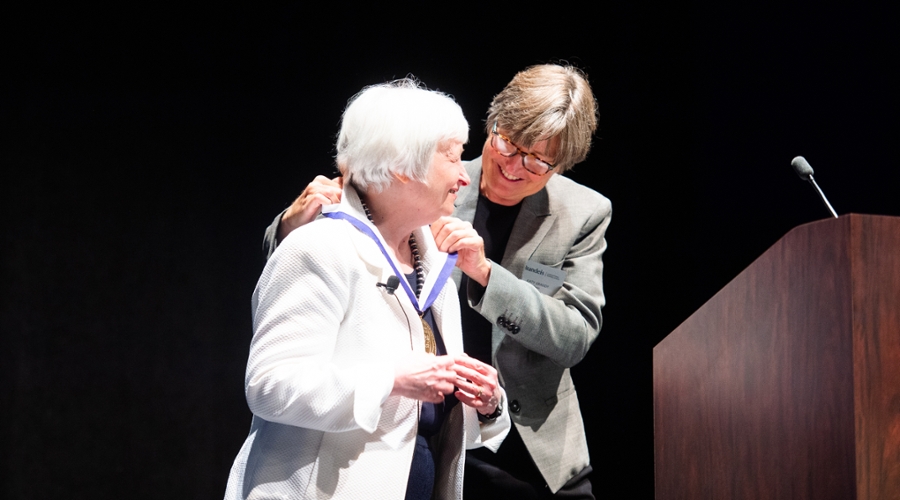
<point>391,286</point>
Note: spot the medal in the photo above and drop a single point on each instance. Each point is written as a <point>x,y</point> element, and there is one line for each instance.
<point>430,342</point>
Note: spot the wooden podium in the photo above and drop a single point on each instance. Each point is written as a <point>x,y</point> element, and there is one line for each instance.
<point>786,384</point>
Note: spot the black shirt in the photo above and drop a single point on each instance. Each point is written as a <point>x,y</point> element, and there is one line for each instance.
<point>494,224</point>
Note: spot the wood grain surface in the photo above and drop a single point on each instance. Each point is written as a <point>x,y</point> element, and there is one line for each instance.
<point>786,384</point>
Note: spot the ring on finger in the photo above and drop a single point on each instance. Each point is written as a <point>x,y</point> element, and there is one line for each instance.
<point>480,391</point>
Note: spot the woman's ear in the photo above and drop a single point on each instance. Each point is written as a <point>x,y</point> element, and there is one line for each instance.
<point>402,178</point>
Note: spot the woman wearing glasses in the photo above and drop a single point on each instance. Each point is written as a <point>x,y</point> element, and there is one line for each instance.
<point>532,289</point>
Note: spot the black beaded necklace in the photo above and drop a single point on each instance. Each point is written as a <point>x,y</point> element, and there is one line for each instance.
<point>430,342</point>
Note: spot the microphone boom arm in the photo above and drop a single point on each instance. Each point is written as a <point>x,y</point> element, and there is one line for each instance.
<point>822,195</point>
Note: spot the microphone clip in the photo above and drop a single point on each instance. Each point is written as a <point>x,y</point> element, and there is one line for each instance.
<point>391,286</point>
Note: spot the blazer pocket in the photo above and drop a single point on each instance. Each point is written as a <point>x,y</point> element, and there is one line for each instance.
<point>560,396</point>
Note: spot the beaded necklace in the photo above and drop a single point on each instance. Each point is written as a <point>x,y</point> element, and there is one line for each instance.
<point>430,342</point>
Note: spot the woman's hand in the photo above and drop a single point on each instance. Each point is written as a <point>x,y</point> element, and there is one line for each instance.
<point>425,377</point>
<point>321,191</point>
<point>478,384</point>
<point>454,235</point>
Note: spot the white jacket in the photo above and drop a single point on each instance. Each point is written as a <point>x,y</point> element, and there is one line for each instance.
<point>321,370</point>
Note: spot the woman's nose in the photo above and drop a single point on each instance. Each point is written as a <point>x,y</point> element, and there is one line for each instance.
<point>464,176</point>
<point>515,165</point>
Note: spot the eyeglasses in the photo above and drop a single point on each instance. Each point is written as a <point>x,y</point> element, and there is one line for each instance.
<point>505,147</point>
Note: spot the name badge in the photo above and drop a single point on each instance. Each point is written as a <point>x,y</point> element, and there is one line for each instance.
<point>545,278</point>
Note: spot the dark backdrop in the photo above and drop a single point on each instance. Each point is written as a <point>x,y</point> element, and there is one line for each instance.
<point>145,150</point>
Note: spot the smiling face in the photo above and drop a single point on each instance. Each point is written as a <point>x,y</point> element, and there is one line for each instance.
<point>505,181</point>
<point>445,178</point>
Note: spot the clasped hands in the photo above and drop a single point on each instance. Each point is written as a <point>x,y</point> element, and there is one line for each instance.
<point>430,378</point>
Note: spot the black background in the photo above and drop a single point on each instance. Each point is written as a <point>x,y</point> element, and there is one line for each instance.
<point>146,149</point>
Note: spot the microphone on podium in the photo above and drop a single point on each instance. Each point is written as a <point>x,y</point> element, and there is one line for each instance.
<point>805,171</point>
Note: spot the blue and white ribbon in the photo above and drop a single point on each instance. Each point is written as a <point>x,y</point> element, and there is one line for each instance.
<point>432,286</point>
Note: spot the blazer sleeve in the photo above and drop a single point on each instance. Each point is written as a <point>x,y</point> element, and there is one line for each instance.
<point>299,305</point>
<point>270,237</point>
<point>563,326</point>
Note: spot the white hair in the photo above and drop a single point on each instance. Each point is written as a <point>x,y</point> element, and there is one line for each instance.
<point>396,128</point>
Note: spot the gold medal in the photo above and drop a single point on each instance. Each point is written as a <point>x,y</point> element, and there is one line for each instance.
<point>430,342</point>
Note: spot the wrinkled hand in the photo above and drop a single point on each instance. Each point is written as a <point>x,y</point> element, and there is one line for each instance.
<point>321,191</point>
<point>454,235</point>
<point>478,384</point>
<point>425,377</point>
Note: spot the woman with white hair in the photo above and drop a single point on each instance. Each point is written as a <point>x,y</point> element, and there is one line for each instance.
<point>356,370</point>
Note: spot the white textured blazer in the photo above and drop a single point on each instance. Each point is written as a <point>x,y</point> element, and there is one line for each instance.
<point>321,369</point>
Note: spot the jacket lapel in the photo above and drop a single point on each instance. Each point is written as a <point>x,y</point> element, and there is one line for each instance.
<point>366,248</point>
<point>466,204</point>
<point>432,262</point>
<point>453,343</point>
<point>528,232</point>
<point>530,228</point>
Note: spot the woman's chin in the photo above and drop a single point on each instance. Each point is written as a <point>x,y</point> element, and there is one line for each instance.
<point>446,212</point>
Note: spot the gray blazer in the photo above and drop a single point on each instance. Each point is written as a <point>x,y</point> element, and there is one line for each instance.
<point>536,337</point>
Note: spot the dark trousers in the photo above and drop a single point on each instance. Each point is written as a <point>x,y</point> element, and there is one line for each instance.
<point>511,473</point>
<point>420,484</point>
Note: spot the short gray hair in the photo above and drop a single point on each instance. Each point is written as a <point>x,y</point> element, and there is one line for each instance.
<point>395,128</point>
<point>544,102</point>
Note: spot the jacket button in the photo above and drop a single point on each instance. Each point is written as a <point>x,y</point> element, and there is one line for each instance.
<point>514,406</point>
<point>502,322</point>
<point>514,329</point>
